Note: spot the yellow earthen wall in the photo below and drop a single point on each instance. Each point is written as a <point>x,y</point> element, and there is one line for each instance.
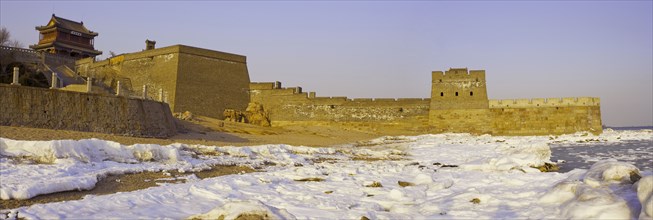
<point>518,121</point>
<point>67,110</point>
<point>209,85</point>
<point>458,89</point>
<point>288,106</point>
<point>201,81</point>
<point>546,120</point>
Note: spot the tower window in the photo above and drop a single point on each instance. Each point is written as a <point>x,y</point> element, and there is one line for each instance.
<point>456,93</point>
<point>441,93</point>
<point>471,93</point>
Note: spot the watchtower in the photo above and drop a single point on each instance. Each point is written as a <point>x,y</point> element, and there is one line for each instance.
<point>66,37</point>
<point>459,88</point>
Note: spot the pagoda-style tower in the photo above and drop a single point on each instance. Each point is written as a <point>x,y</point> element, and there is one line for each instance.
<point>66,37</point>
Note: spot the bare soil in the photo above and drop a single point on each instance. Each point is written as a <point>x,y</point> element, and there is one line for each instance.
<point>210,131</point>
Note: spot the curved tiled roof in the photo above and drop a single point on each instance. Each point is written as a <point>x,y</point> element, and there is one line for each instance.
<point>67,24</point>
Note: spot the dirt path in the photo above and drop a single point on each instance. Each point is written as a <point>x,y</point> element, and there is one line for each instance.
<point>209,132</point>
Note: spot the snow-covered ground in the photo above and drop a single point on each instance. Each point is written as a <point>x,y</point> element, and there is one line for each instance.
<point>444,176</point>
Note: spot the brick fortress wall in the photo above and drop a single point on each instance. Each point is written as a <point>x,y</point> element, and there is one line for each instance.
<point>459,104</point>
<point>201,81</point>
<point>59,109</point>
<point>292,106</point>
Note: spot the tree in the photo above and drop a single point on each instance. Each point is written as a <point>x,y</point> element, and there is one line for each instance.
<point>5,39</point>
<point>4,36</point>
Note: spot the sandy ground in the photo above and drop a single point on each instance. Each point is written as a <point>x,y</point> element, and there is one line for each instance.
<point>209,131</point>
<point>199,130</point>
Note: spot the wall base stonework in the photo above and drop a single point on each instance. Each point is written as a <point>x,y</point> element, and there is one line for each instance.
<point>476,121</point>
<point>67,110</point>
<point>546,120</point>
<point>518,121</point>
<point>406,126</point>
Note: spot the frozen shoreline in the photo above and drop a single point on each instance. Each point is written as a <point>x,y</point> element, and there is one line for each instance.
<point>494,170</point>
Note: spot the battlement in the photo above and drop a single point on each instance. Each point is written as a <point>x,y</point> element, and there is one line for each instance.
<point>458,88</point>
<point>458,103</point>
<point>296,93</point>
<point>545,102</point>
<point>165,52</point>
<point>458,74</point>
<point>291,105</point>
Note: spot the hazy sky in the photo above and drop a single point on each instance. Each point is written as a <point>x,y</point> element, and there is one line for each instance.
<point>534,49</point>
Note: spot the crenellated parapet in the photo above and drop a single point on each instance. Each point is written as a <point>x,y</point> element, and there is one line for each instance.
<point>458,74</point>
<point>545,102</point>
<point>459,88</point>
<point>291,105</point>
<point>275,89</point>
<point>458,103</point>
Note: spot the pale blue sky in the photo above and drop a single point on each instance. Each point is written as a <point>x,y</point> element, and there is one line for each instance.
<point>373,49</point>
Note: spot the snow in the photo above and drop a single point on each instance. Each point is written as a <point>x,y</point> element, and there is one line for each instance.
<point>233,209</point>
<point>597,193</point>
<point>645,196</point>
<point>444,176</point>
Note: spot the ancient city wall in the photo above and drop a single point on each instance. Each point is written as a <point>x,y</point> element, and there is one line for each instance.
<point>291,106</point>
<point>156,68</point>
<point>459,103</point>
<point>522,117</point>
<point>458,89</point>
<point>201,81</point>
<point>546,120</point>
<point>545,102</point>
<point>541,120</point>
<point>546,115</point>
<point>208,82</point>
<point>58,109</point>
